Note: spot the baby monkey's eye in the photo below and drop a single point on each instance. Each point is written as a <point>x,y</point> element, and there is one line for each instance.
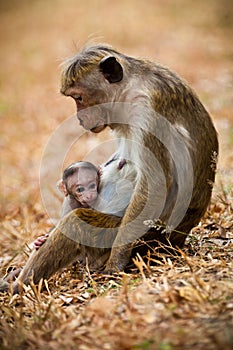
<point>92,186</point>
<point>80,189</point>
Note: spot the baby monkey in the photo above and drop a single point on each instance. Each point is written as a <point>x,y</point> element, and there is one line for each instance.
<point>80,185</point>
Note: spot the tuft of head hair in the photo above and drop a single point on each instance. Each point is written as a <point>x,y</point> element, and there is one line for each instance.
<point>72,168</point>
<point>77,66</point>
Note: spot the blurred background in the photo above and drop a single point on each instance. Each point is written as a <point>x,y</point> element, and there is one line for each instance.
<point>193,38</point>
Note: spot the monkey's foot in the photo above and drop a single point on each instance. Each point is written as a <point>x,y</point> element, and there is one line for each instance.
<point>13,274</point>
<point>4,286</point>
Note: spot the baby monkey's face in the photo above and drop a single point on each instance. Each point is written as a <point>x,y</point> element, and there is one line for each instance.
<point>83,185</point>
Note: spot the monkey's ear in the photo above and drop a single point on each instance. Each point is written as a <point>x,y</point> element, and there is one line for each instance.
<point>111,69</point>
<point>100,171</point>
<point>62,187</point>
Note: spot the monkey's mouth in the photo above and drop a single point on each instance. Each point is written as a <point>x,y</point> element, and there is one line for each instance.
<point>98,128</point>
<point>94,126</point>
<point>85,205</point>
<point>94,118</point>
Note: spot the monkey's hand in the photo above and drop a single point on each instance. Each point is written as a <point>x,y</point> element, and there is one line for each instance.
<point>119,258</point>
<point>110,269</point>
<point>39,241</point>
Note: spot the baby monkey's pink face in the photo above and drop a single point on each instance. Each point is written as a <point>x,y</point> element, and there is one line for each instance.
<point>83,185</point>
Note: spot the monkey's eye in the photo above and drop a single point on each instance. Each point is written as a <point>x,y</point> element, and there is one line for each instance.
<point>92,186</point>
<point>78,98</point>
<point>80,189</point>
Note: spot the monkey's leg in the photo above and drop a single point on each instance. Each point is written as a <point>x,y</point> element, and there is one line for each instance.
<point>57,252</point>
<point>63,244</point>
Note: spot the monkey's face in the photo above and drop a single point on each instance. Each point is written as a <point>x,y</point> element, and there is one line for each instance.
<point>83,185</point>
<point>91,89</point>
<point>91,115</point>
<point>90,107</point>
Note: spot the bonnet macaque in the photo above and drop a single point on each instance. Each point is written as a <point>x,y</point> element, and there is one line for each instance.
<point>168,138</point>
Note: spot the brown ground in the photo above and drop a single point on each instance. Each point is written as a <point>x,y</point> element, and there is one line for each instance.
<point>186,303</point>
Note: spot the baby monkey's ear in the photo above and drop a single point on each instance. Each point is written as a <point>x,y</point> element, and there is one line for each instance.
<point>62,187</point>
<point>111,69</point>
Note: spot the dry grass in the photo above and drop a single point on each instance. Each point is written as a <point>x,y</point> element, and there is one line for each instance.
<point>181,303</point>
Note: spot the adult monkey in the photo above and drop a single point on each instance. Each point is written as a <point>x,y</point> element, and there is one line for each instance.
<point>169,138</point>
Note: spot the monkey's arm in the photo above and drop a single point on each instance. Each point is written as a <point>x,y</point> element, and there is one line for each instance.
<point>130,230</point>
